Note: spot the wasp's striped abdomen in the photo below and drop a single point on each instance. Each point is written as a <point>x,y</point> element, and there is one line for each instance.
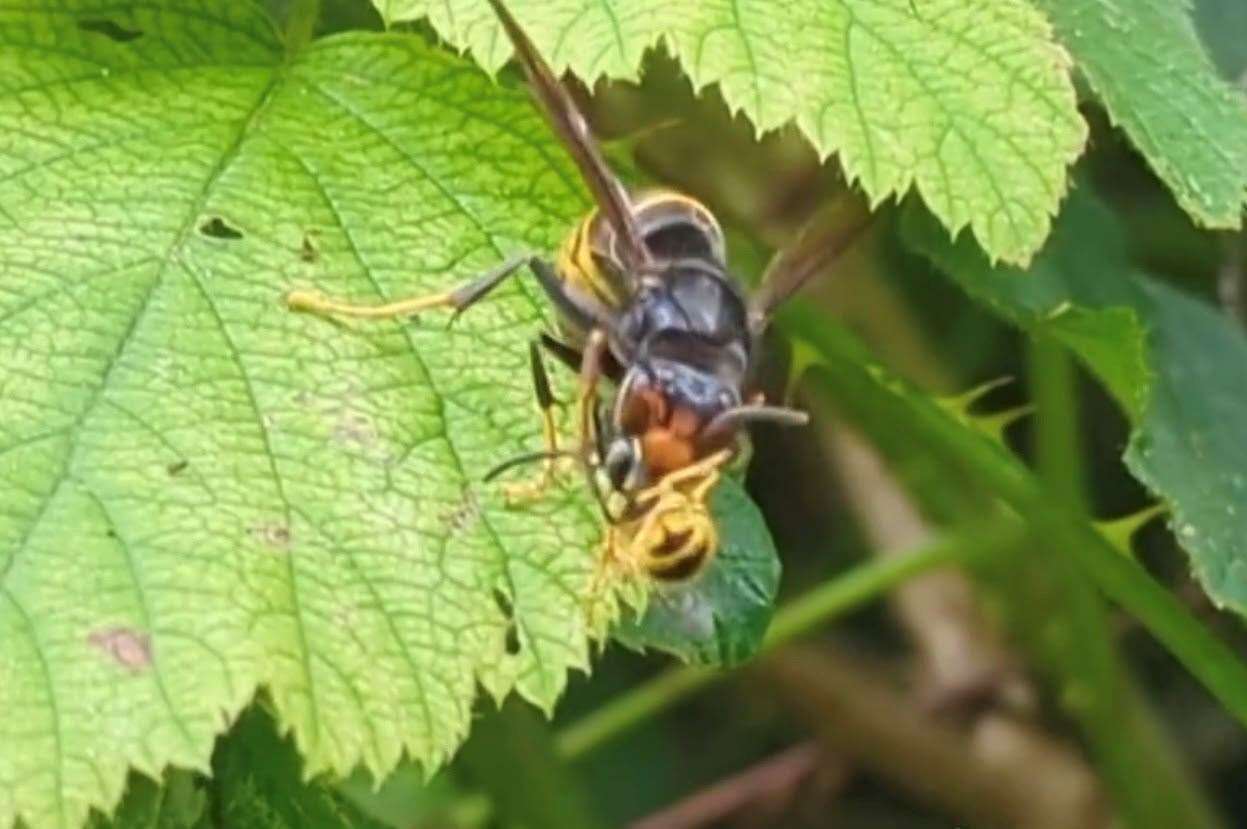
<point>673,226</point>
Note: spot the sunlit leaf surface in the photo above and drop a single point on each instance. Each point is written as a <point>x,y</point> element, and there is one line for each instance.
<point>204,493</point>
<point>971,103</point>
<point>1146,63</point>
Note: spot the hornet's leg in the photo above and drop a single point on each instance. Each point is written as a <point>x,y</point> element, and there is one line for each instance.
<point>527,490</point>
<point>460,298</point>
<point>676,540</point>
<point>705,473</point>
<point>591,438</point>
<point>586,400</point>
<point>676,535</point>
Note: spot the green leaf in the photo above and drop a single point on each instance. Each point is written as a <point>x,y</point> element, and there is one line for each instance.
<point>405,798</point>
<point>1065,294</point>
<point>512,757</point>
<point>899,418</point>
<point>971,103</point>
<point>205,493</point>
<point>177,802</point>
<point>721,618</point>
<point>1145,61</point>
<point>1190,448</point>
<point>258,783</point>
<point>1178,366</point>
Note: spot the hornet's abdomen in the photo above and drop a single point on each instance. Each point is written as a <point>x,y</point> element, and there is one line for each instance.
<point>673,226</point>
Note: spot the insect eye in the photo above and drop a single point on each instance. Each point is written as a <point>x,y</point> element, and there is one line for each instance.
<point>623,464</point>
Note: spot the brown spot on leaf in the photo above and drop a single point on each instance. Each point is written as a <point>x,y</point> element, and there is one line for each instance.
<point>177,467</point>
<point>354,428</point>
<point>131,649</point>
<point>272,534</point>
<point>465,515</point>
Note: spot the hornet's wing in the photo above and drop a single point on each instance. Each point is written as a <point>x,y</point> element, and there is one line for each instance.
<point>827,235</point>
<point>573,130</point>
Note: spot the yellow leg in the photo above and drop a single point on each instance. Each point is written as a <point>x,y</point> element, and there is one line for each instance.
<point>675,508</point>
<point>677,531</point>
<point>706,469</point>
<point>586,399</point>
<point>522,491</point>
<point>457,298</point>
<point>547,404</point>
<point>315,303</point>
<point>609,557</point>
<point>669,511</point>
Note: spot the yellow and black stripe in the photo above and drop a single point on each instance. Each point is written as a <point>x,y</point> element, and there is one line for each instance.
<point>672,224</point>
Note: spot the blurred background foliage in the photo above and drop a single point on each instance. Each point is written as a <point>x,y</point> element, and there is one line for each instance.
<point>954,703</point>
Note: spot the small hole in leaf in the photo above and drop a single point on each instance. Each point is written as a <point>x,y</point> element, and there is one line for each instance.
<point>218,228</point>
<point>308,251</point>
<point>272,534</point>
<point>512,641</point>
<point>111,29</point>
<point>504,603</point>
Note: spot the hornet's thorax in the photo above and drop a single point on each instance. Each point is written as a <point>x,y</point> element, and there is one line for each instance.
<point>679,343</point>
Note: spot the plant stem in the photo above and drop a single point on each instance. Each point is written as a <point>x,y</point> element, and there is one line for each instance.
<point>797,618</point>
<point>1138,762</point>
<point>1058,445</point>
<point>632,708</point>
<point>899,418</point>
<point>794,619</point>
<point>300,23</point>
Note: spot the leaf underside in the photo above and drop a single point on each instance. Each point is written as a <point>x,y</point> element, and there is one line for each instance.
<point>971,103</point>
<point>205,493</point>
<point>1145,61</point>
<point>1176,364</point>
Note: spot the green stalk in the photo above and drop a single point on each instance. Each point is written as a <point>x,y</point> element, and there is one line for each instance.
<point>1065,622</point>
<point>899,420</point>
<point>797,618</point>
<point>1058,442</point>
<point>300,24</point>
<point>514,760</point>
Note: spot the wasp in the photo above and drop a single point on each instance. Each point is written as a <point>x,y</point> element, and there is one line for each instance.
<point>645,301</point>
